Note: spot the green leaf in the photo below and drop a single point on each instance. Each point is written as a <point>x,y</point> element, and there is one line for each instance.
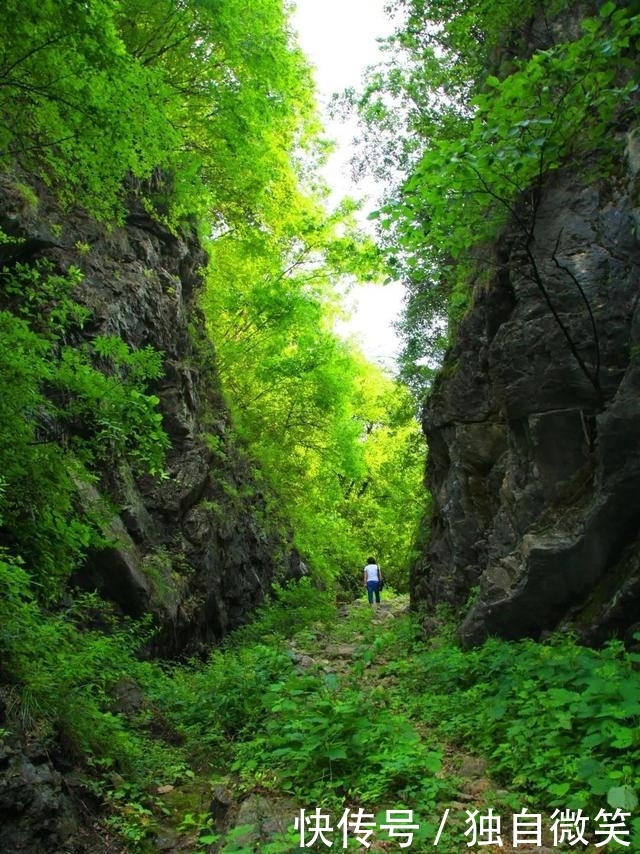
<point>588,768</point>
<point>623,737</point>
<point>622,797</point>
<point>337,753</point>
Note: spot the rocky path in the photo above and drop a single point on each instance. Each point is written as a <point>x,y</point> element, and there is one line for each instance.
<point>251,821</point>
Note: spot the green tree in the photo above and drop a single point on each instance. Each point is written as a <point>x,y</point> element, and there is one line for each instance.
<point>384,506</point>
<point>336,437</point>
<point>60,418</point>
<point>195,106</point>
<point>292,384</point>
<point>202,109</point>
<point>75,108</point>
<point>490,105</point>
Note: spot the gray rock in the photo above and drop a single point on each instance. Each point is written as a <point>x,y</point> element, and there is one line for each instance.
<point>194,548</point>
<point>35,813</point>
<point>261,819</point>
<point>533,467</point>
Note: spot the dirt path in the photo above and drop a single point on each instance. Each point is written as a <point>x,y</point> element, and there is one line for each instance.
<point>353,651</point>
<point>475,792</point>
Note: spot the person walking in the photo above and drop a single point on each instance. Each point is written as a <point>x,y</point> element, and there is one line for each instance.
<point>372,579</point>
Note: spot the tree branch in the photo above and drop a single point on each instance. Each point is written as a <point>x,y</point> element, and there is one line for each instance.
<point>592,320</point>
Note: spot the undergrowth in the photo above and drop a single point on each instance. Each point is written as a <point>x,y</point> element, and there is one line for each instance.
<point>558,723</point>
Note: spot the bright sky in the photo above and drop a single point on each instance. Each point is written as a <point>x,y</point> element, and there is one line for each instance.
<point>339,37</point>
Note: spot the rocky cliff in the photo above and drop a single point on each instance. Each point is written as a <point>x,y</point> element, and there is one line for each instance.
<point>195,548</point>
<point>533,428</point>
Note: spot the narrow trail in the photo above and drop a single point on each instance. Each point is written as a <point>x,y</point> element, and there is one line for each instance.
<point>260,818</point>
<point>475,790</point>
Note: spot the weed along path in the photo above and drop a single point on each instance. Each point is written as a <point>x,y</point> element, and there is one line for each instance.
<point>326,738</point>
<point>425,795</point>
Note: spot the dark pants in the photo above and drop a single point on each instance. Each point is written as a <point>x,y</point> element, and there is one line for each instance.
<point>373,589</point>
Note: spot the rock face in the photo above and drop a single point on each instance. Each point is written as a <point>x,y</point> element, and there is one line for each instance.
<point>189,548</point>
<point>33,790</point>
<point>534,461</point>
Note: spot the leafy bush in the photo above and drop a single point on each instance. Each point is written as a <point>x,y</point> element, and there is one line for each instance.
<point>557,719</point>
<point>217,704</point>
<point>328,742</point>
<point>291,608</point>
<point>61,675</point>
<point>60,416</point>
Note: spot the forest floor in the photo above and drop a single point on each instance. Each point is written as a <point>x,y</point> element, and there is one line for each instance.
<point>270,812</point>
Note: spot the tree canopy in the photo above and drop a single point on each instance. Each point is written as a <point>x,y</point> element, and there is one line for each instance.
<point>204,111</point>
<point>478,104</point>
<point>197,105</point>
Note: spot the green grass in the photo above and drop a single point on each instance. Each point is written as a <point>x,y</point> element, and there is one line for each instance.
<point>386,727</point>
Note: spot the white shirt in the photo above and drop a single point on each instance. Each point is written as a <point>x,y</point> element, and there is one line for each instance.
<point>372,572</point>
